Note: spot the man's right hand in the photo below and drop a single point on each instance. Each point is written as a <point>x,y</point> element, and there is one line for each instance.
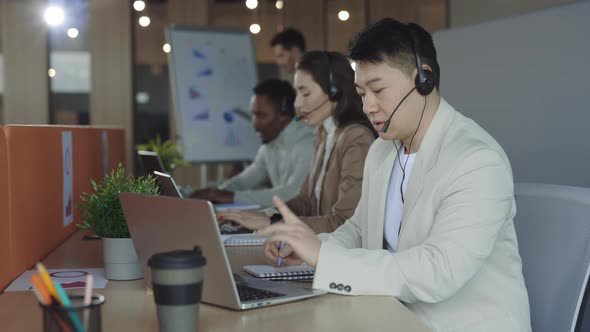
<point>272,252</point>
<point>295,234</point>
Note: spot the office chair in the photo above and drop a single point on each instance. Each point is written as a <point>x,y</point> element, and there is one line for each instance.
<point>553,228</point>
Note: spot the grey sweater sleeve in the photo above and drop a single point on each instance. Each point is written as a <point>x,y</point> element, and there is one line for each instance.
<point>253,176</point>
<point>301,162</point>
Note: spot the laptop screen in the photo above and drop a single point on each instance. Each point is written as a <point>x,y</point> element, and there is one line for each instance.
<point>167,185</point>
<point>151,162</point>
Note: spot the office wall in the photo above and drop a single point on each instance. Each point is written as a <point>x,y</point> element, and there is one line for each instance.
<point>431,14</point>
<point>466,12</point>
<point>111,94</point>
<point>24,45</point>
<point>524,80</point>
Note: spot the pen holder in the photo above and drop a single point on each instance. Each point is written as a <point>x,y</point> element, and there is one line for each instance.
<point>77,318</point>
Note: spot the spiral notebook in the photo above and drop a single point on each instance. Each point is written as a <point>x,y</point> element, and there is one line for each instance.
<point>242,240</point>
<point>300,272</point>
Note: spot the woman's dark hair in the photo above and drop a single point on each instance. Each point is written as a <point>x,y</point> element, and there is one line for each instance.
<point>349,106</point>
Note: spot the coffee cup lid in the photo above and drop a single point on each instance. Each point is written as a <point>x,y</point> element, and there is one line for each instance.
<point>178,259</point>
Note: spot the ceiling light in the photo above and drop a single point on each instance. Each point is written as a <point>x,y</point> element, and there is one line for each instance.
<point>279,4</point>
<point>73,33</point>
<point>51,72</point>
<point>343,15</point>
<point>251,4</point>
<point>144,21</point>
<point>54,16</point>
<point>166,48</point>
<point>139,5</point>
<point>255,28</point>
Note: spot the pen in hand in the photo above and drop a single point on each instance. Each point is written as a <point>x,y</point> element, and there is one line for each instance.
<point>280,261</point>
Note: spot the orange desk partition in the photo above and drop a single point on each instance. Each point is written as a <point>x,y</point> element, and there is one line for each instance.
<point>35,185</point>
<point>5,265</point>
<point>116,147</point>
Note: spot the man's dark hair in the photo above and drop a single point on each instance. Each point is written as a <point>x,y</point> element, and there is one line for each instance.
<point>349,106</point>
<point>288,39</point>
<point>280,93</point>
<point>390,40</point>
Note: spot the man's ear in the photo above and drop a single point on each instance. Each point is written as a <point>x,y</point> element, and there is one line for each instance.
<point>426,67</point>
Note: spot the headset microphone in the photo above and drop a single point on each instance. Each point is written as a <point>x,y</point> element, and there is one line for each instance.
<point>299,118</point>
<point>386,125</point>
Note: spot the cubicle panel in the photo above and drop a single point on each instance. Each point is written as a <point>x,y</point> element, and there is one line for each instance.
<point>116,147</point>
<point>105,148</point>
<point>5,263</point>
<point>36,189</point>
<point>86,152</point>
<point>33,210</point>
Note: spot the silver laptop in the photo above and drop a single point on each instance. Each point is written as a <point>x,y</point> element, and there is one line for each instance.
<point>169,188</point>
<point>159,223</point>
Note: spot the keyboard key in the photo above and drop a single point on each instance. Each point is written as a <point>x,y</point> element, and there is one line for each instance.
<point>252,294</point>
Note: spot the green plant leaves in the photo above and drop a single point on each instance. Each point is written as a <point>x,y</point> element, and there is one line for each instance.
<point>167,150</point>
<point>101,210</point>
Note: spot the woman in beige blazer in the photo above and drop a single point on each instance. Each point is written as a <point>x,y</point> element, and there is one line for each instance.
<point>434,225</point>
<point>327,101</point>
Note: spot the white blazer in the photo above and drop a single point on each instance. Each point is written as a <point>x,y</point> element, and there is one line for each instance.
<point>457,264</point>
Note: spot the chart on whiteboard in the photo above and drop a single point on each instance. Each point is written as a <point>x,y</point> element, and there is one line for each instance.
<point>213,74</point>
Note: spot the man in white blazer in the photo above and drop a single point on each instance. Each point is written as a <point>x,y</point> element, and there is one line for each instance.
<point>434,225</point>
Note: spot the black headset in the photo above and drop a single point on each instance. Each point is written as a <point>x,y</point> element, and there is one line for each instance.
<point>284,104</point>
<point>425,80</point>
<point>333,92</point>
<point>284,109</point>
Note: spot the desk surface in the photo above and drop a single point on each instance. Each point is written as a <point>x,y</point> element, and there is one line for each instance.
<point>129,307</point>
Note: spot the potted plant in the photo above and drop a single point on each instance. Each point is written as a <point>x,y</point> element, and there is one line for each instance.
<point>167,150</point>
<point>101,212</point>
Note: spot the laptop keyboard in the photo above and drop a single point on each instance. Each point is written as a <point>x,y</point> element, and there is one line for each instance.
<point>252,294</point>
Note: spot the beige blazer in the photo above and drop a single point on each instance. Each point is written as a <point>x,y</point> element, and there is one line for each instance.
<point>457,264</point>
<point>341,189</point>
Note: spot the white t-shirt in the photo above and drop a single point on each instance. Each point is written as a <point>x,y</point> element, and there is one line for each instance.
<point>394,205</point>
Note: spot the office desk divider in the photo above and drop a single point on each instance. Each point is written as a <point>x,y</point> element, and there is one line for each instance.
<point>37,177</point>
<point>5,273</point>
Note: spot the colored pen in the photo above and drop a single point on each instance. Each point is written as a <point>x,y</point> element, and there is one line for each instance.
<point>87,299</point>
<point>280,261</point>
<point>65,301</point>
<point>40,290</point>
<point>45,298</point>
<point>45,277</point>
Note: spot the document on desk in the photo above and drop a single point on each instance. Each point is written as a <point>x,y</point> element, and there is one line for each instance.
<point>233,240</point>
<point>68,278</point>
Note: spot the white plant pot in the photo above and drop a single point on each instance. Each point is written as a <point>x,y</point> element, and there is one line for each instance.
<point>120,260</point>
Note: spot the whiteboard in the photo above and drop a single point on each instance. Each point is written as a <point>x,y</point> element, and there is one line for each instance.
<point>212,75</point>
<point>525,80</point>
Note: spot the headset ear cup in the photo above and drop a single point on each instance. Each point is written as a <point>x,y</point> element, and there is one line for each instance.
<point>283,109</point>
<point>426,87</point>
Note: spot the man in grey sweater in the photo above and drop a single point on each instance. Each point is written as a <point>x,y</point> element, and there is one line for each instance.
<point>284,159</point>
